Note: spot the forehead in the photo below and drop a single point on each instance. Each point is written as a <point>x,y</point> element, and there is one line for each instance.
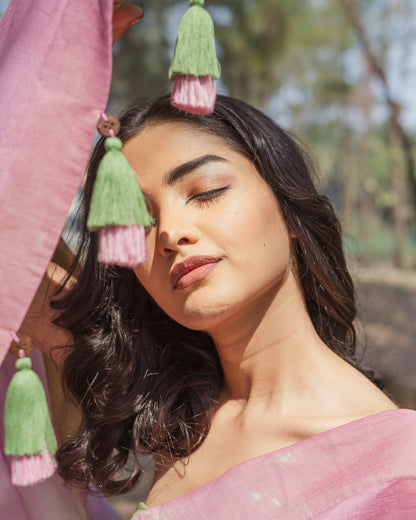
<point>177,138</point>
<point>160,147</point>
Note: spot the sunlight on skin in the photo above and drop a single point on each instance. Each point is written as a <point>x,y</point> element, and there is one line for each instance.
<point>280,378</point>
<point>222,209</point>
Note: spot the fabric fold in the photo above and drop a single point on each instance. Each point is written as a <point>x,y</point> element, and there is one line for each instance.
<point>55,72</point>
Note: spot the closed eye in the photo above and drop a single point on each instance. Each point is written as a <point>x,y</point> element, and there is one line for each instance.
<point>208,197</point>
<point>204,198</point>
<point>148,229</point>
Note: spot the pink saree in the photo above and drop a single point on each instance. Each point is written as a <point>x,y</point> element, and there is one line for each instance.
<point>364,470</point>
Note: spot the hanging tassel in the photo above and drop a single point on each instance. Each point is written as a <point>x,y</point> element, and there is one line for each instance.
<point>29,436</point>
<point>118,208</point>
<point>195,65</point>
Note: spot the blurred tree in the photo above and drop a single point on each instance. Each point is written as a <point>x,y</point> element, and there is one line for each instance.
<point>252,36</point>
<point>397,134</point>
<point>301,62</point>
<point>142,57</point>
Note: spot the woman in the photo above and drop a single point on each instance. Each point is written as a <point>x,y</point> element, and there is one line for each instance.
<point>229,354</point>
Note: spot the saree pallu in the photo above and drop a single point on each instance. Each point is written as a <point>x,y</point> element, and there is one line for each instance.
<point>364,470</point>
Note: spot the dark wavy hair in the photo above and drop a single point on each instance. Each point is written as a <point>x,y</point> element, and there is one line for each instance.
<point>146,384</point>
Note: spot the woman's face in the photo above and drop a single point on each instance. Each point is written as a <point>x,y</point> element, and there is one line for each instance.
<point>219,243</point>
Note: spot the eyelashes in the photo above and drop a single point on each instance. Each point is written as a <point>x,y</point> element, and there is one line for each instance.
<point>203,199</point>
<point>148,229</point>
<point>206,198</point>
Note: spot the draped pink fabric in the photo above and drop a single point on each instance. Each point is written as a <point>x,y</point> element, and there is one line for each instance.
<point>364,470</point>
<point>55,71</point>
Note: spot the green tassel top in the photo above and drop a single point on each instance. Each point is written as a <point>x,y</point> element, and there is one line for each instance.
<point>141,507</point>
<point>195,46</point>
<point>117,199</point>
<point>27,424</point>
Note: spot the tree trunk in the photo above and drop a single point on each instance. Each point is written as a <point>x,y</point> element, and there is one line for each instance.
<point>365,200</point>
<point>353,15</point>
<point>399,188</point>
<point>348,177</point>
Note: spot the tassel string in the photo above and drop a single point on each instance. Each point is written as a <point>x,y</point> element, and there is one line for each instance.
<point>105,118</point>
<point>14,336</point>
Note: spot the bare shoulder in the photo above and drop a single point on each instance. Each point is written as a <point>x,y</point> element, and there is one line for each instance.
<point>350,396</point>
<point>342,395</point>
<point>364,397</point>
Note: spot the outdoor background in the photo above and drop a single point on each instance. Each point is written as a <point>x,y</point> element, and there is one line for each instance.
<point>341,75</point>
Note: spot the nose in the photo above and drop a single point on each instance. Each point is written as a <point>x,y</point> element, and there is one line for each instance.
<point>175,231</point>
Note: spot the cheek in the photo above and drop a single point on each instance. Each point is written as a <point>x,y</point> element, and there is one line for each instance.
<point>154,277</point>
<point>254,222</point>
<point>260,251</point>
<point>144,275</point>
<point>142,271</point>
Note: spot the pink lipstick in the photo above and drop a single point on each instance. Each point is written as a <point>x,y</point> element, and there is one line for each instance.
<point>191,270</point>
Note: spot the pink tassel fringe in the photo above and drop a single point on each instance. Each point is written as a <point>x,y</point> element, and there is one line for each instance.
<point>122,245</point>
<point>194,94</point>
<point>31,469</point>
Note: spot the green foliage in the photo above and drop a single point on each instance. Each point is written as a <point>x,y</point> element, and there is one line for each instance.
<point>258,32</point>
<point>143,56</point>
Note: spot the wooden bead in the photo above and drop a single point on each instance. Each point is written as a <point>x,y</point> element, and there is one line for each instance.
<point>25,343</point>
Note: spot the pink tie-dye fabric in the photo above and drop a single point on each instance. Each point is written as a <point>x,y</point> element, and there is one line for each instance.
<point>364,470</point>
<point>55,71</point>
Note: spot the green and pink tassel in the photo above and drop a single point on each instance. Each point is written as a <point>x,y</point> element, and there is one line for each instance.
<point>195,65</point>
<point>29,435</point>
<point>118,209</point>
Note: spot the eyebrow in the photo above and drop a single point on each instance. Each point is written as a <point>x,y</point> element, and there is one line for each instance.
<point>188,167</point>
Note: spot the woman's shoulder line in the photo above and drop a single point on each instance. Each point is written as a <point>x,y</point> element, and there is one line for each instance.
<point>391,415</point>
<point>401,417</point>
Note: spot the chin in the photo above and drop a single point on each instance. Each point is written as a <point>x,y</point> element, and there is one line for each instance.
<point>197,321</point>
<point>204,317</point>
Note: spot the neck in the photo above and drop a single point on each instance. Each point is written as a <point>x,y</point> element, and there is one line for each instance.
<point>268,351</point>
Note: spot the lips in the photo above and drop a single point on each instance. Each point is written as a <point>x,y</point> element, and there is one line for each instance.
<point>201,265</point>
